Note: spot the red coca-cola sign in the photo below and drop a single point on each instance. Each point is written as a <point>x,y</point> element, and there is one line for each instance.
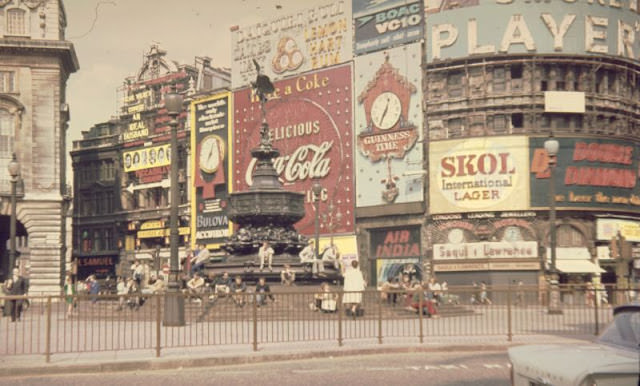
<point>310,123</point>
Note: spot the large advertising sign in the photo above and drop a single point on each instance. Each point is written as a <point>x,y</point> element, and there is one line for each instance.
<point>388,111</point>
<point>310,118</point>
<point>397,252</point>
<point>210,122</point>
<point>479,174</point>
<point>591,173</point>
<point>147,158</point>
<point>382,24</point>
<point>464,28</point>
<point>608,228</point>
<point>311,39</point>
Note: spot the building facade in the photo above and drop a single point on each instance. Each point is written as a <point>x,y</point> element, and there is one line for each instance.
<point>121,167</point>
<point>493,95</point>
<point>35,64</point>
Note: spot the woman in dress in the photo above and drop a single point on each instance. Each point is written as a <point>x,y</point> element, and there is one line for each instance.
<point>354,284</point>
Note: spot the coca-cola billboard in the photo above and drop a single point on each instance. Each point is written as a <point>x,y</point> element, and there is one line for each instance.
<point>310,123</point>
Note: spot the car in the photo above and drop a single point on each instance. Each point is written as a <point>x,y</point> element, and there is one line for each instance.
<point>613,359</point>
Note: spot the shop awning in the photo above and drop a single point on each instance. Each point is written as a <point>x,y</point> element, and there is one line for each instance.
<point>574,260</point>
<point>577,266</point>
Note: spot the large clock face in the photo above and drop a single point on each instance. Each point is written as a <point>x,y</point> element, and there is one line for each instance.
<point>211,153</point>
<point>512,234</point>
<point>455,236</point>
<point>386,110</point>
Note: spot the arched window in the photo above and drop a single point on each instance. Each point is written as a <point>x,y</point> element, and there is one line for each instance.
<point>569,236</point>
<point>17,22</point>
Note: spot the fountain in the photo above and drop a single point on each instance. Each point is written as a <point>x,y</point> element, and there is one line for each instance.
<point>265,212</point>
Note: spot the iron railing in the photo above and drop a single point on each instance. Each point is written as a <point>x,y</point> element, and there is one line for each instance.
<point>134,322</point>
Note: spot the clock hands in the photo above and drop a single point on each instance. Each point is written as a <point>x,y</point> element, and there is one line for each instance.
<point>210,153</point>
<point>384,112</point>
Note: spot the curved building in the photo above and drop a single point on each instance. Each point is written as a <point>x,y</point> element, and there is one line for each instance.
<point>500,78</point>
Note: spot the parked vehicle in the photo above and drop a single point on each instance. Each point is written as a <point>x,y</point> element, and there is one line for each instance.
<point>613,359</point>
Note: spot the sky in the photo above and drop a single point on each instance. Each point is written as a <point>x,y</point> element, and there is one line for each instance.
<point>112,36</point>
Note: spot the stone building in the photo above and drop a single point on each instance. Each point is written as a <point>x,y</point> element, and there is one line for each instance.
<point>35,63</point>
<point>121,169</point>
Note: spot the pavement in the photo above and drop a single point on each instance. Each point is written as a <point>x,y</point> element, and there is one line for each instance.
<point>224,355</point>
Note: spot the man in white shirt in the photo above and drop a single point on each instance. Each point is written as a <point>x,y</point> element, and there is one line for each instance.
<point>331,256</point>
<point>265,253</point>
<point>195,286</point>
<point>308,257</point>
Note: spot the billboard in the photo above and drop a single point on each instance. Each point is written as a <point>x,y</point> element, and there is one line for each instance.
<point>381,24</point>
<point>147,158</point>
<point>388,116</point>
<point>310,39</point>
<point>464,28</point>
<point>210,122</point>
<point>608,228</point>
<point>591,173</point>
<point>397,251</point>
<point>310,123</point>
<point>479,174</point>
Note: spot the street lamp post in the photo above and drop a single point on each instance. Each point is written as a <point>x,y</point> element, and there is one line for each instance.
<point>316,188</point>
<point>552,146</point>
<point>14,172</point>
<point>174,303</point>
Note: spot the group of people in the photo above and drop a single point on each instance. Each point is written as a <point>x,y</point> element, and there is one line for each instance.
<point>413,294</point>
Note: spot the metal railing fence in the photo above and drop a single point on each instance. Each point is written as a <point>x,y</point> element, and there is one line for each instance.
<point>49,325</point>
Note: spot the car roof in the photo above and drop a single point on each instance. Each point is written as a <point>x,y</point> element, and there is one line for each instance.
<point>627,307</point>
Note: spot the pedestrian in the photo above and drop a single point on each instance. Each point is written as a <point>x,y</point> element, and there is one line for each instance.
<point>122,291</point>
<point>484,298</point>
<point>93,287</point>
<point>354,284</point>
<point>265,253</point>
<point>18,287</point>
<point>263,291</point>
<point>69,295</point>
<point>287,276</point>
<point>238,289</point>
<point>200,259</point>
<point>308,258</point>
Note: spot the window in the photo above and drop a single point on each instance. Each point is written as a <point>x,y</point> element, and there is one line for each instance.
<point>455,127</point>
<point>7,81</point>
<point>17,22</point>
<point>499,124</point>
<point>108,239</point>
<point>568,236</point>
<point>516,71</point>
<point>517,120</point>
<point>6,146</point>
<point>454,84</point>
<point>499,79</point>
